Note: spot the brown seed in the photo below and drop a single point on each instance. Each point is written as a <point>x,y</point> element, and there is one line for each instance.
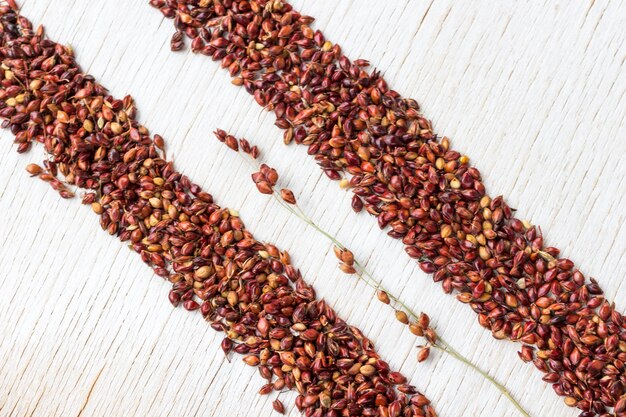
<point>278,406</point>
<point>287,196</point>
<point>347,257</point>
<point>424,320</point>
<point>264,187</point>
<point>422,355</point>
<point>430,335</point>
<point>347,269</point>
<point>383,297</point>
<point>402,317</point>
<point>34,169</point>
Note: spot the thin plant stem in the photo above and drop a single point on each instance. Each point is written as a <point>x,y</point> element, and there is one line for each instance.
<point>365,276</point>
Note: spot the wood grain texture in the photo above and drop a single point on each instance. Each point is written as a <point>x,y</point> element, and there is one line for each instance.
<point>533,91</point>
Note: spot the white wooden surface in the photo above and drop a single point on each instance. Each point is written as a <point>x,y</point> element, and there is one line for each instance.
<point>533,91</point>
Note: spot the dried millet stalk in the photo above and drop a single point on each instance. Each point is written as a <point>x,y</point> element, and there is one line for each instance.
<point>420,326</point>
<point>426,193</point>
<point>243,287</point>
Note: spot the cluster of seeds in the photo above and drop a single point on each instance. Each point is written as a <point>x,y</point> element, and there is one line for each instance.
<point>424,192</point>
<point>419,325</point>
<point>244,288</point>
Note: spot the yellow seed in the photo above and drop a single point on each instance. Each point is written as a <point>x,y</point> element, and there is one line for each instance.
<point>485,201</point>
<point>232,298</point>
<point>445,143</point>
<point>299,327</point>
<point>88,125</point>
<point>116,128</point>
<point>484,297</point>
<point>327,46</point>
<point>203,272</point>
<point>367,370</point>
<point>156,202</point>
<point>511,300</point>
<point>344,183</point>
<point>155,248</point>
<point>455,183</point>
<point>464,159</point>
<point>446,231</point>
<point>36,84</point>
